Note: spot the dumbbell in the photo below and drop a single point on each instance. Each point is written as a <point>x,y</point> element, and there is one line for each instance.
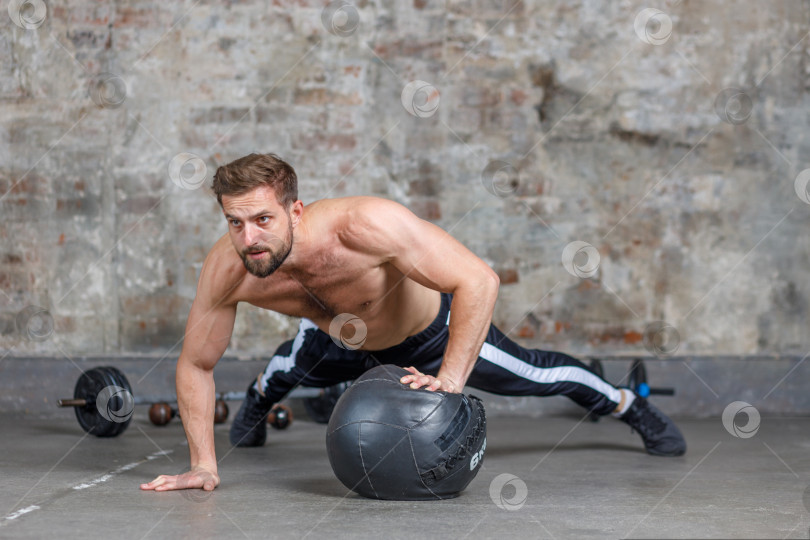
<point>161,413</point>
<point>280,416</point>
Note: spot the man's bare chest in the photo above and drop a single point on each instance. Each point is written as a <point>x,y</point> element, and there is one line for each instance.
<point>326,290</point>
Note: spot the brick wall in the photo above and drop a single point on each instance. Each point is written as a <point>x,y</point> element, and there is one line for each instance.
<point>672,153</point>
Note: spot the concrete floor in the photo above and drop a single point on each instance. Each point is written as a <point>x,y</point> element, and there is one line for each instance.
<point>582,481</point>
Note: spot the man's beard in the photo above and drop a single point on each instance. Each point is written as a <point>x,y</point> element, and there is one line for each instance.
<point>266,265</point>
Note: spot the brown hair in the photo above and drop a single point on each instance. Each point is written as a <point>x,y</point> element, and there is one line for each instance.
<point>256,170</point>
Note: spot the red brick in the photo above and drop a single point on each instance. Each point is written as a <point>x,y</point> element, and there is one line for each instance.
<point>78,15</point>
<point>164,304</point>
<point>587,284</point>
<point>422,186</point>
<point>560,326</point>
<point>345,167</point>
<point>526,331</point>
<point>324,96</point>
<point>219,115</point>
<point>507,275</point>
<point>480,97</point>
<point>63,325</point>
<point>149,17</point>
<point>30,184</point>
<point>88,39</point>
<point>353,70</point>
<point>518,96</point>
<point>13,280</point>
<point>631,337</point>
<point>279,95</point>
<point>410,47</point>
<point>426,209</point>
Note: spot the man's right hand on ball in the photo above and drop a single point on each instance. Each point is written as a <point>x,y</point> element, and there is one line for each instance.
<point>198,477</point>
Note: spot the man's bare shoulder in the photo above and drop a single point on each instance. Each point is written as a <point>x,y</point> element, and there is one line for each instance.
<point>348,216</point>
<point>222,273</point>
<point>353,205</point>
<point>361,211</point>
<point>364,223</point>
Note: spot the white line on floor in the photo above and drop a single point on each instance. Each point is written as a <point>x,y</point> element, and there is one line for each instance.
<point>123,468</point>
<point>18,513</point>
<point>92,483</point>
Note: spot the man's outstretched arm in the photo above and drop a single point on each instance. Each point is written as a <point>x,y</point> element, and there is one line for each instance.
<point>430,256</point>
<point>208,332</point>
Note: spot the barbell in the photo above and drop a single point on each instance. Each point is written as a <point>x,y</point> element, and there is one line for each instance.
<point>103,402</point>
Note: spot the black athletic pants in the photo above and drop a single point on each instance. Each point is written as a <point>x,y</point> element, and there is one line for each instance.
<point>313,358</point>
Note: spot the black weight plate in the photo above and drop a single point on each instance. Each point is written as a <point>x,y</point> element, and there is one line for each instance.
<point>638,374</point>
<point>118,406</point>
<point>122,405</point>
<point>320,408</point>
<point>88,386</point>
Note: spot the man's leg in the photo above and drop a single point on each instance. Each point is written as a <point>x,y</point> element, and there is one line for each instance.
<point>310,359</point>
<point>504,367</point>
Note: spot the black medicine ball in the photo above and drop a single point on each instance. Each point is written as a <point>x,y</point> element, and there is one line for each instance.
<point>387,441</point>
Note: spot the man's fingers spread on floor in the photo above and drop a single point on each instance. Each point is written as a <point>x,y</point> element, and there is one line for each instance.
<point>160,480</point>
<point>165,486</point>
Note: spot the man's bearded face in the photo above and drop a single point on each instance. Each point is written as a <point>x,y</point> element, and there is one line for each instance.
<point>261,260</point>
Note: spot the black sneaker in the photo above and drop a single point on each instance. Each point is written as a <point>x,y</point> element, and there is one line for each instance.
<point>660,434</point>
<point>249,427</point>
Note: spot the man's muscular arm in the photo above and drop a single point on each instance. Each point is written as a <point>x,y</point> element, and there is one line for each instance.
<point>430,256</point>
<point>208,332</point>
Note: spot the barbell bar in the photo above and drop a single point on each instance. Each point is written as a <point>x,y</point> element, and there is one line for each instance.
<point>104,403</point>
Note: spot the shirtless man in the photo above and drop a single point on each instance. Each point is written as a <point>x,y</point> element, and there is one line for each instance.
<point>392,276</point>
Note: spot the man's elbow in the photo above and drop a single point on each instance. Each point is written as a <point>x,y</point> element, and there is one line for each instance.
<point>484,284</point>
<point>489,283</point>
<point>494,283</point>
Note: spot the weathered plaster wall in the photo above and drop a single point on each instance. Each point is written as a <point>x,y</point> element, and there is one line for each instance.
<point>671,142</point>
